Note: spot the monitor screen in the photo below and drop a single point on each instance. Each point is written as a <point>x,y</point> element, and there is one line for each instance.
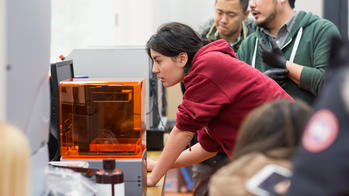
<point>59,71</point>
<point>64,70</point>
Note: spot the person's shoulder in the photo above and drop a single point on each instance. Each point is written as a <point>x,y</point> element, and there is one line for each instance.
<point>255,161</point>
<point>215,50</point>
<point>233,177</point>
<point>219,59</point>
<point>324,27</point>
<point>315,20</point>
<point>323,21</point>
<point>248,43</point>
<point>216,57</point>
<point>315,26</point>
<point>251,25</point>
<point>251,37</point>
<point>228,182</point>
<point>205,28</point>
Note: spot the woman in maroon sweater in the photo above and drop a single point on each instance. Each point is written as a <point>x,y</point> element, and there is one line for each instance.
<point>220,92</point>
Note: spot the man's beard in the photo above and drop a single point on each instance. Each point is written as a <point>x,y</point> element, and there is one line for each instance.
<point>265,24</point>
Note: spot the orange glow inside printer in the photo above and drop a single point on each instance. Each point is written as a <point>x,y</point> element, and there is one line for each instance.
<point>102,117</point>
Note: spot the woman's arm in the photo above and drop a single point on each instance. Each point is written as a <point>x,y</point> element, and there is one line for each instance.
<point>187,157</point>
<point>175,144</point>
<point>196,155</point>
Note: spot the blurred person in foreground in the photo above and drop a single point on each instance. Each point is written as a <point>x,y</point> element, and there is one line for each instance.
<point>320,165</point>
<point>15,161</point>
<point>270,134</point>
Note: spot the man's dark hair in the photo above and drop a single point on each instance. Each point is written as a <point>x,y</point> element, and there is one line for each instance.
<point>174,38</point>
<point>243,4</point>
<point>291,2</point>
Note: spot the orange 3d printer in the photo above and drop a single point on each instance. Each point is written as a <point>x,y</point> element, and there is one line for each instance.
<point>104,118</point>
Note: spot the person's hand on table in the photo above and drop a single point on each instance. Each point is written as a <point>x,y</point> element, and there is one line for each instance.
<point>150,180</point>
<point>150,164</point>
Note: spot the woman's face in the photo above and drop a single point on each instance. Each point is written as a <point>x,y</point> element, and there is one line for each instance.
<point>170,70</point>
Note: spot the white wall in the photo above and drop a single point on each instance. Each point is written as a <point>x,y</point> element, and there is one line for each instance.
<point>70,26</point>
<point>314,6</point>
<point>3,54</point>
<point>191,12</point>
<point>90,23</point>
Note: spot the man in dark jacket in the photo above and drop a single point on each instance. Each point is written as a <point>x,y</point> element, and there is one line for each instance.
<point>299,46</point>
<point>320,167</point>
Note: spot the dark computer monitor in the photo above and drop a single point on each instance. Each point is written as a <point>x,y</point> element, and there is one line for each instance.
<point>59,71</point>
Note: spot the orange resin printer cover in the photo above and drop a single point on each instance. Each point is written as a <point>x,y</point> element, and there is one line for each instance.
<point>102,117</point>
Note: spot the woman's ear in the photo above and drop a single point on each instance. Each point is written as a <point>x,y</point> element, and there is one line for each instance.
<point>182,59</point>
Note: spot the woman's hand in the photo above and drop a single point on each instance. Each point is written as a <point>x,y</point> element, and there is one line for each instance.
<point>150,164</point>
<point>176,142</point>
<point>150,180</point>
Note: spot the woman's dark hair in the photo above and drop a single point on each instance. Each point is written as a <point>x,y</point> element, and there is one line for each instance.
<point>275,125</point>
<point>174,38</point>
